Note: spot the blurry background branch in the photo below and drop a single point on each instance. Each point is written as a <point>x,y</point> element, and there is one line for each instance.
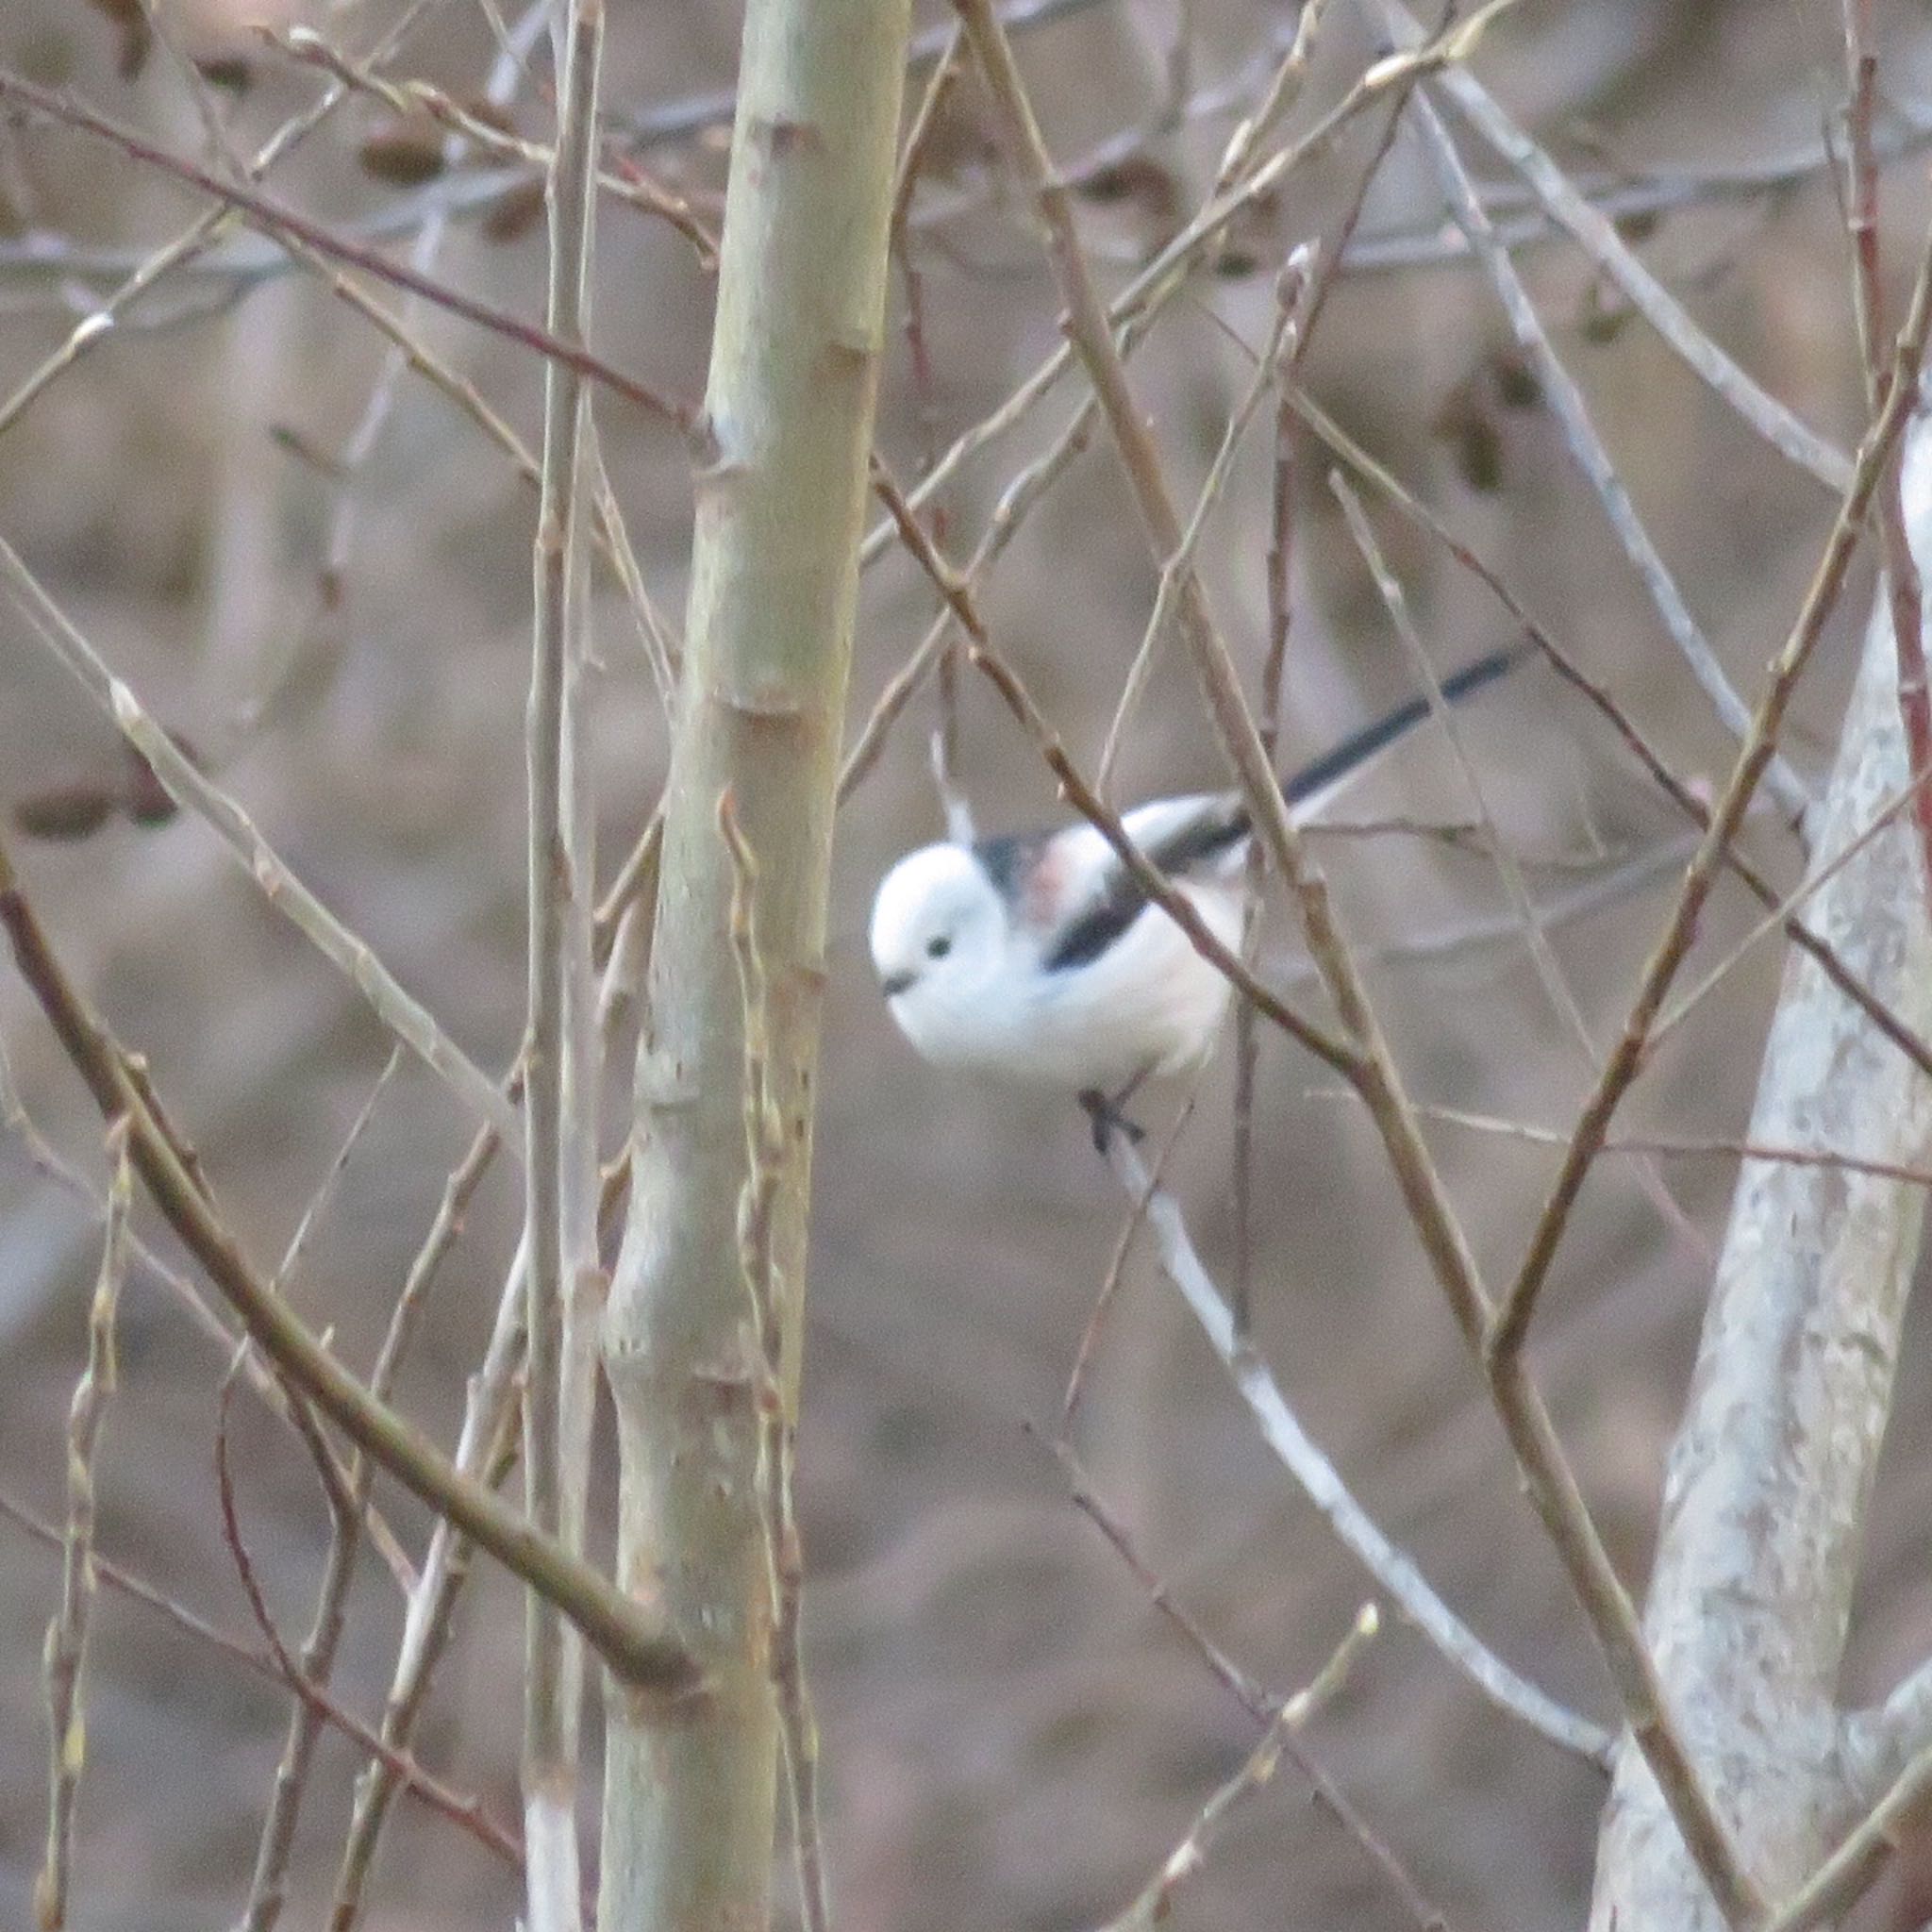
<point>62,270</point>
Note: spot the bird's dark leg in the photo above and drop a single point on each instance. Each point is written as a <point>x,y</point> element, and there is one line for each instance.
<point>1108,1116</point>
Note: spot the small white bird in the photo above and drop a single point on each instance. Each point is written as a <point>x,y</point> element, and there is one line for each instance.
<point>1039,960</point>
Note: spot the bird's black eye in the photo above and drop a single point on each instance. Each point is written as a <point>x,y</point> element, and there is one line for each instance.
<point>937,947</point>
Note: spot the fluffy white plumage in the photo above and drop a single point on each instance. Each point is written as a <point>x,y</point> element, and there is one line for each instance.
<point>1037,959</point>
<point>969,944</point>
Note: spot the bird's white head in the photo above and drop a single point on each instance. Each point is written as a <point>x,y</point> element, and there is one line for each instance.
<point>939,932</point>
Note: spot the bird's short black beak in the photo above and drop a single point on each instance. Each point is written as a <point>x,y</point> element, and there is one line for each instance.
<point>893,984</point>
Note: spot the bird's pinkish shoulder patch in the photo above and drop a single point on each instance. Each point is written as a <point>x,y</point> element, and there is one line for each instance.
<point>1043,892</point>
<point>1030,872</point>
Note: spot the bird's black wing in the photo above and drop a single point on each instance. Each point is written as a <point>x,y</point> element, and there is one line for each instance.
<point>1222,825</point>
<point>1216,829</point>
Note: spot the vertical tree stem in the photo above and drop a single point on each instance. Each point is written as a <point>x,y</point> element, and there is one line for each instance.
<point>781,483</point>
<point>561,1174</point>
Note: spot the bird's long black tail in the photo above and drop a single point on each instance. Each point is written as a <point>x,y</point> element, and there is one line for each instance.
<point>1357,750</point>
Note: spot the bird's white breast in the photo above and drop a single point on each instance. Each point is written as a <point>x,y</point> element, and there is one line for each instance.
<point>1150,1003</point>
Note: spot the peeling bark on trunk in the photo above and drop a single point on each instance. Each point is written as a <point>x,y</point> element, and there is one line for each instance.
<point>1766,1493</point>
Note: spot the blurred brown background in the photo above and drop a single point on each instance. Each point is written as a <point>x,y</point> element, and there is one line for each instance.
<point>1013,1738</point>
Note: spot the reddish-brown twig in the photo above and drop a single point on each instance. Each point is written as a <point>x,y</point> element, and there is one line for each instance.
<point>459,1809</point>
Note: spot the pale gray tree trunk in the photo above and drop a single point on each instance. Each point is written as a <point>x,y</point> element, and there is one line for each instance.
<point>1766,1492</point>
<point>781,478</point>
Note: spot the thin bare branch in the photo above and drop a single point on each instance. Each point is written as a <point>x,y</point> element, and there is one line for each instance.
<point>399,1010</point>
<point>1281,336</point>
<point>282,225</point>
<point>631,1639</point>
<point>48,1162</point>
<point>1770,1477</point>
<point>67,1635</point>
<point>1368,1063</point>
<point>1595,231</point>
<point>1164,277</point>
<point>1284,90</point>
<point>1901,570</point>
<point>1155,1901</point>
<point>486,1448</point>
<point>1015,504</point>
<point>560,1186</point>
<point>1632,200</point>
<point>1281,1429</point>
<point>1566,402</point>
<point>409,351</point>
<point>1663,1146</point>
<point>139,273</point>
<point>1536,940</point>
<point>1786,910</point>
<point>267,1891</point>
<point>1117,1269</point>
<point>463,1810</point>
<point>1264,1706</point>
<point>1844,1877</point>
<point>628,185</point>
<point>1620,722</point>
<point>320,1201</point>
<point>1625,1060</point>
<point>1630,197</point>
